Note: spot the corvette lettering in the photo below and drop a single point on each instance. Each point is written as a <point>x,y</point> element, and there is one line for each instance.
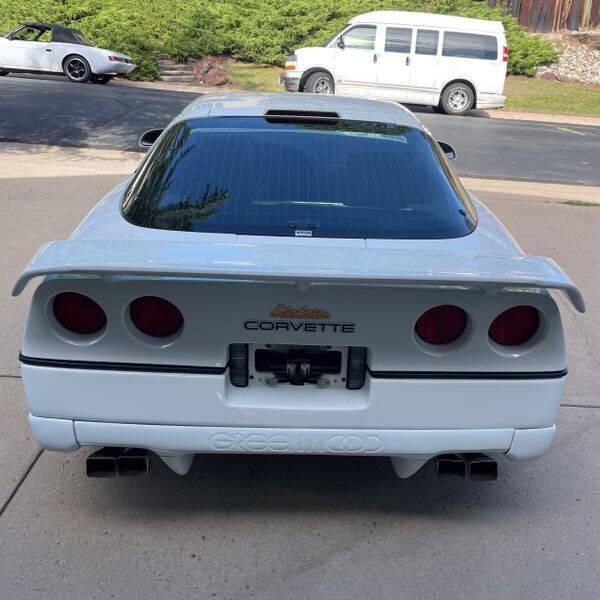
<point>303,326</point>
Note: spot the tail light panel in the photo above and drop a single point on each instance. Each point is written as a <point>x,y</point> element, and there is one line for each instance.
<point>210,318</point>
<point>505,54</point>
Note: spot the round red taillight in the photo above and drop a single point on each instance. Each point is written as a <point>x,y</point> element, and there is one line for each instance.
<point>515,326</point>
<point>155,316</point>
<point>441,324</point>
<point>78,313</point>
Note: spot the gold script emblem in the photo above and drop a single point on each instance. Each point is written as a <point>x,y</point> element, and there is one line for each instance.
<point>287,312</point>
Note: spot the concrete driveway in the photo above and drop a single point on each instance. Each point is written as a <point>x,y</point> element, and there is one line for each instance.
<point>268,527</point>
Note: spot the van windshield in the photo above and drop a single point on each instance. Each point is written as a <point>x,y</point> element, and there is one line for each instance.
<point>342,179</point>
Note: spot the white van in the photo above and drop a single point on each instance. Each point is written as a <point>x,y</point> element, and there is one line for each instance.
<point>451,63</point>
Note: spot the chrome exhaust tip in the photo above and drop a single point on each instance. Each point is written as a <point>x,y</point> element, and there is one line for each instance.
<point>124,462</point>
<point>134,462</point>
<point>474,466</point>
<point>102,463</point>
<point>481,467</point>
<point>450,466</point>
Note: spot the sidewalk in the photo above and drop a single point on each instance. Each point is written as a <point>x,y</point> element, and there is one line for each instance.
<point>32,161</point>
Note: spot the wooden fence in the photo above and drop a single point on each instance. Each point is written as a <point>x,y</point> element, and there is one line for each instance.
<point>553,15</point>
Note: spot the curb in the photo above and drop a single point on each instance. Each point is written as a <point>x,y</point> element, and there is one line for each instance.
<point>545,191</point>
<point>542,117</point>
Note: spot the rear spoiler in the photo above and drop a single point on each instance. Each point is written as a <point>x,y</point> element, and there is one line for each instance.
<point>302,264</point>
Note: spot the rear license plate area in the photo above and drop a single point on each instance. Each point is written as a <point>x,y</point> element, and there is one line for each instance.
<point>279,364</point>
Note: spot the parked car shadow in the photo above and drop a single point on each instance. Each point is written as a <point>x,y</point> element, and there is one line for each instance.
<point>288,484</point>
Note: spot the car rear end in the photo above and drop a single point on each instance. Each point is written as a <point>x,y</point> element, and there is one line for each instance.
<point>385,370</point>
<point>112,63</point>
<point>247,306</point>
<point>490,74</point>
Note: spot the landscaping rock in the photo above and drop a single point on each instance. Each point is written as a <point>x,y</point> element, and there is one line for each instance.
<point>547,73</point>
<point>215,77</point>
<point>579,62</point>
<point>209,71</point>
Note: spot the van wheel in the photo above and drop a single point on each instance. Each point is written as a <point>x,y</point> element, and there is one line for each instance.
<point>457,99</point>
<point>319,83</point>
<point>77,69</point>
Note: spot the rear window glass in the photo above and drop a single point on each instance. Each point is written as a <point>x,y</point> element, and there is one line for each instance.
<point>321,179</point>
<point>470,45</point>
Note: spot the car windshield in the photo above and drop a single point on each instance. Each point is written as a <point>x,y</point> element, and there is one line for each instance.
<point>337,178</point>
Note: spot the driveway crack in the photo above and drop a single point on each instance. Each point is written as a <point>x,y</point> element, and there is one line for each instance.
<point>20,483</point>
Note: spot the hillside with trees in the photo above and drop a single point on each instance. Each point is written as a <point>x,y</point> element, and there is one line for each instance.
<point>262,31</point>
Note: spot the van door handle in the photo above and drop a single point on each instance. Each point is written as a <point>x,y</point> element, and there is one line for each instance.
<point>48,50</point>
<point>407,61</point>
<point>375,57</point>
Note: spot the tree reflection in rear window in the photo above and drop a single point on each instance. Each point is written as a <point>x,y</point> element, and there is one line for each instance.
<point>335,178</point>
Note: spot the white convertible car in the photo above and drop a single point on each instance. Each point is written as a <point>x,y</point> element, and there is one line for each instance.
<point>43,48</point>
<point>294,274</point>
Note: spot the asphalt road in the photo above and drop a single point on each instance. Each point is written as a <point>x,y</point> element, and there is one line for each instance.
<point>289,527</point>
<point>54,111</point>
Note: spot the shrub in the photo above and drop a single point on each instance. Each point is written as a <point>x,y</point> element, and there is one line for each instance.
<point>262,31</point>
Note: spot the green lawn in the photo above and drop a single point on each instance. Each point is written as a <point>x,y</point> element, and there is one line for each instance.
<point>524,93</point>
<point>538,95</point>
<point>257,78</point>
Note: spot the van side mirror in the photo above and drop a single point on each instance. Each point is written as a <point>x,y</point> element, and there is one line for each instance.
<point>149,137</point>
<point>340,42</point>
<point>448,150</point>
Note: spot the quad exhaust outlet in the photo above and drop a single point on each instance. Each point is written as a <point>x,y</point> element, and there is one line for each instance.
<point>476,467</point>
<point>124,462</point>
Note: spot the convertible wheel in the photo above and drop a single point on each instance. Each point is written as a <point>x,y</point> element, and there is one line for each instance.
<point>319,83</point>
<point>102,79</point>
<point>77,69</point>
<point>457,99</point>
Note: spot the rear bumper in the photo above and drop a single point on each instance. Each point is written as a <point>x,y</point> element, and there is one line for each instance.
<point>291,81</point>
<point>186,412</point>
<point>490,100</point>
<point>68,435</point>
<point>107,67</point>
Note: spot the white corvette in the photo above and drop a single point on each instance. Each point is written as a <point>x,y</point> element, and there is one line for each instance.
<point>44,48</point>
<point>294,274</point>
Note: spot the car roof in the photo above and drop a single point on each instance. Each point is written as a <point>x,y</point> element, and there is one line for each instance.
<point>396,17</point>
<point>253,104</point>
<point>60,33</point>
